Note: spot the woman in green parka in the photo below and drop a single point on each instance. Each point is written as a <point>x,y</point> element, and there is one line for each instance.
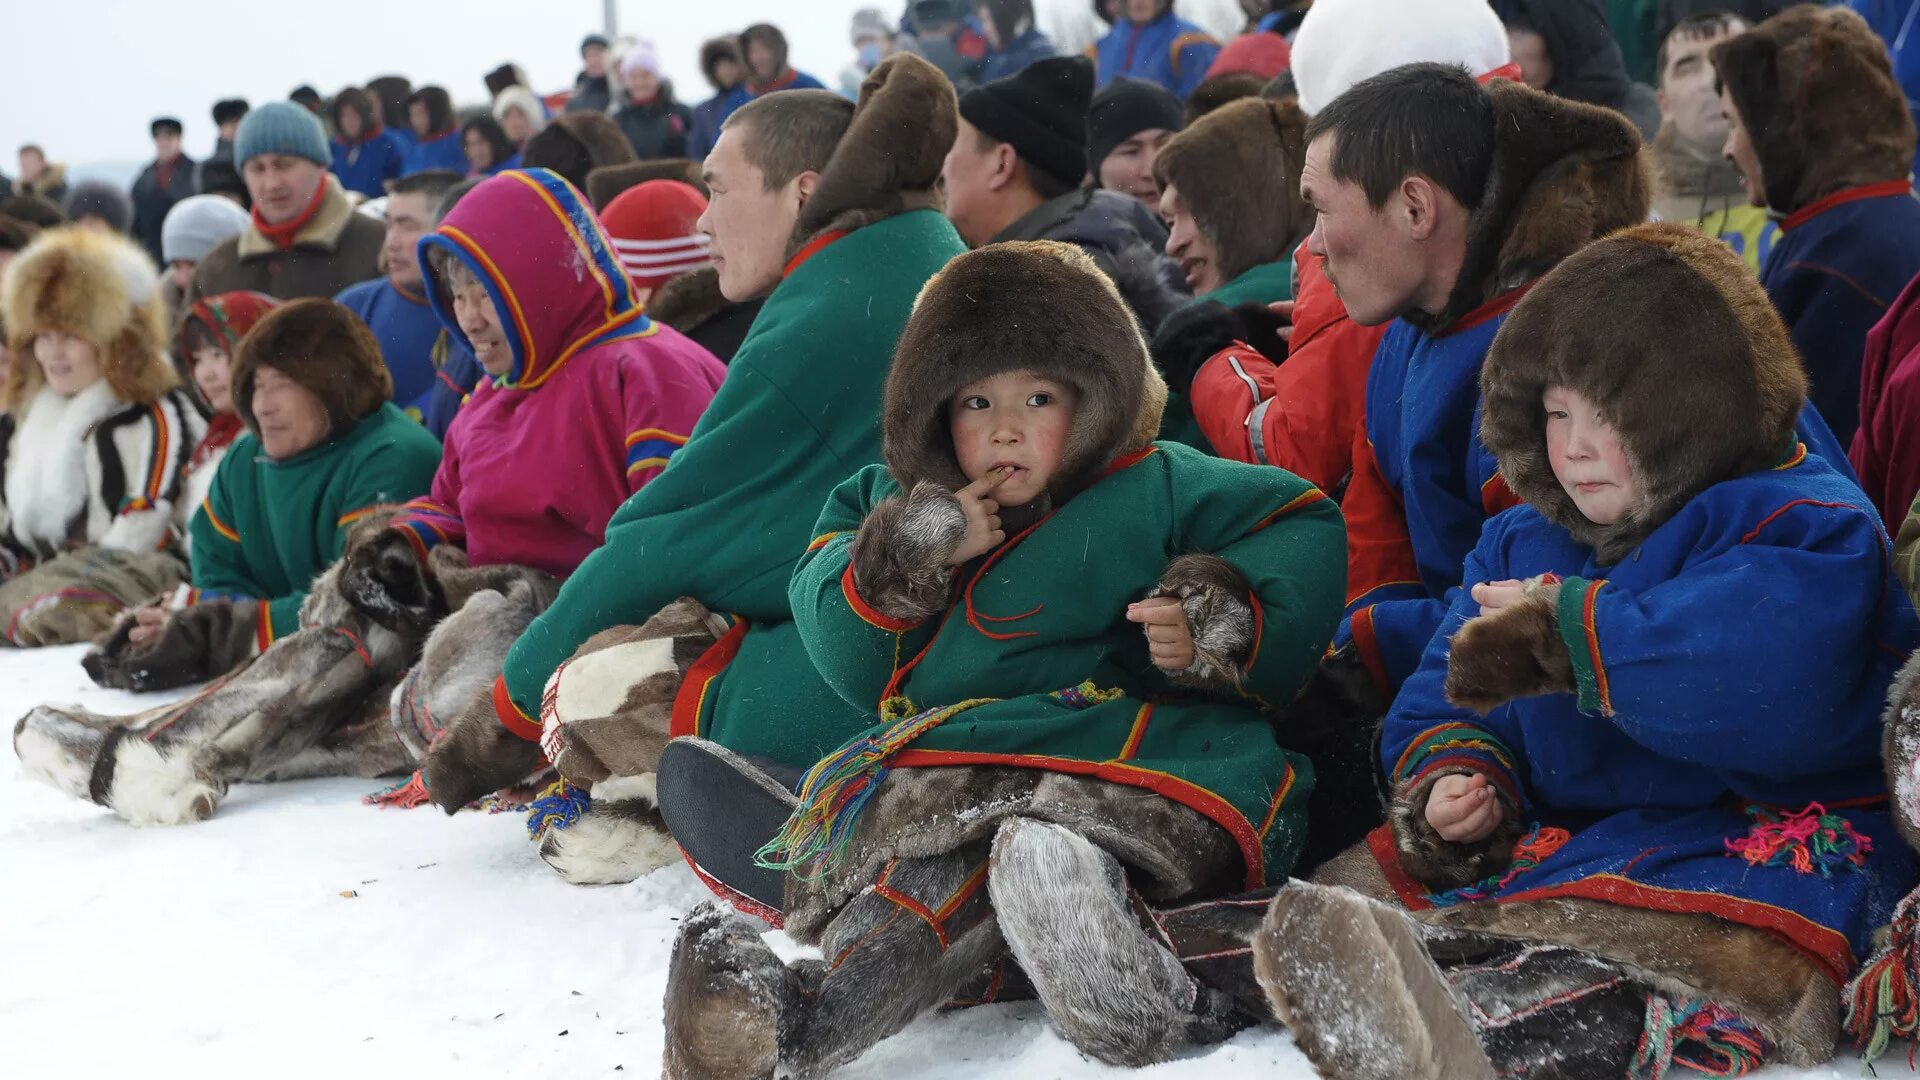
<point>1064,635</point>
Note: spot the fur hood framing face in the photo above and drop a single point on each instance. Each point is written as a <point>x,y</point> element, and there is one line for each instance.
<point>99,288</point>
<point>1210,162</point>
<point>1816,91</point>
<point>1038,306</point>
<point>1690,410</point>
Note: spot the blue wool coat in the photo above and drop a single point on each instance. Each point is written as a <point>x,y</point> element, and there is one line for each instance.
<point>1731,671</point>
<point>1031,45</point>
<point>1170,51</point>
<point>446,152</point>
<point>1423,426</point>
<point>1836,268</point>
<point>406,329</point>
<point>365,166</point>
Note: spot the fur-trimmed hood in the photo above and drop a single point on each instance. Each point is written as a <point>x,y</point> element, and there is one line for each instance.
<point>1210,162</point>
<point>1816,92</point>
<point>889,160</point>
<point>1691,409</point>
<point>1563,175</point>
<point>1039,306</point>
<point>98,287</point>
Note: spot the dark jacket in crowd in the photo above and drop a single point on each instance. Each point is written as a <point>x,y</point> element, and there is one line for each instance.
<point>693,304</point>
<point>1587,65</point>
<point>155,191</point>
<point>591,94</point>
<point>1125,240</point>
<point>657,129</point>
<point>1031,45</point>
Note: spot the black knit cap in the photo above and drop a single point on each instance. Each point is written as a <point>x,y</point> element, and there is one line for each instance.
<point>1041,112</point>
<point>1124,108</point>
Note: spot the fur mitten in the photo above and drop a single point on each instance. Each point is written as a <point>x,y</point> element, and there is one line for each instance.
<point>1514,652</point>
<point>1442,864</point>
<point>198,643</point>
<point>385,580</point>
<point>900,557</point>
<point>1196,333</point>
<point>1217,601</point>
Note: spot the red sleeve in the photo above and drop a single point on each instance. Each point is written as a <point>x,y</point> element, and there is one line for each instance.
<point>663,397</point>
<point>1379,549</point>
<point>1226,390</point>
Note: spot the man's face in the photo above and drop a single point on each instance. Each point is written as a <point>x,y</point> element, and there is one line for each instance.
<point>967,177</point>
<point>747,225</point>
<point>31,162</point>
<point>281,185</point>
<point>760,60</point>
<point>1687,97</point>
<point>594,59</point>
<point>1128,168</point>
<point>1739,150</point>
<point>1188,245</point>
<point>409,217</point>
<point>166,145</point>
<point>1370,259</point>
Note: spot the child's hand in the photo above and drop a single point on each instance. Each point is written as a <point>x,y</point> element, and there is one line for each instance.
<point>983,518</point>
<point>1494,595</point>
<point>148,623</point>
<point>1464,809</point>
<point>1169,639</point>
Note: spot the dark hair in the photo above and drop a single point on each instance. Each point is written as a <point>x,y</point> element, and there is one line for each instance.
<point>229,111</point>
<point>218,176</point>
<point>433,183</point>
<point>1006,16</point>
<point>195,335</point>
<point>356,99</point>
<point>576,143</point>
<point>439,108</point>
<point>766,34</point>
<point>1703,24</point>
<point>496,137</point>
<point>794,131</point>
<point>306,96</point>
<point>16,233</point>
<point>1281,87</point>
<point>714,51</point>
<point>1430,119</point>
<point>165,123</point>
<point>392,92</point>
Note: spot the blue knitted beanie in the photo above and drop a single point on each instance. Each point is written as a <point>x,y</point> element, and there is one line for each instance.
<point>281,127</point>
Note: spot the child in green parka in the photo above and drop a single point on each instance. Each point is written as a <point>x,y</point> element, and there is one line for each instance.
<point>1066,635</point>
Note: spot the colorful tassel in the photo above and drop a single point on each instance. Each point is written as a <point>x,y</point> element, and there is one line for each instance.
<point>404,795</point>
<point>1533,849</point>
<point>1087,695</point>
<point>558,807</point>
<point>1881,1001</point>
<point>1699,1036</point>
<point>1811,840</point>
<point>835,791</point>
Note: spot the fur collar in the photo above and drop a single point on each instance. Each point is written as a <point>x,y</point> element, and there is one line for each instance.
<point>322,232</point>
<point>689,300</point>
<point>1684,171</point>
<point>46,481</point>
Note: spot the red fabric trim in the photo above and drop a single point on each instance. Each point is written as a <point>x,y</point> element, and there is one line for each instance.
<point>814,247</point>
<point>1493,308</point>
<point>1190,795</point>
<point>1841,198</point>
<point>1386,852</point>
<point>867,612</point>
<point>1509,71</point>
<point>1361,626</point>
<point>1139,733</point>
<point>1128,460</point>
<point>511,718</point>
<point>263,627</point>
<point>1600,683</point>
<point>1769,519</point>
<point>1496,496</point>
<point>692,696</point>
<point>1304,499</point>
<point>283,235</point>
<point>740,901</point>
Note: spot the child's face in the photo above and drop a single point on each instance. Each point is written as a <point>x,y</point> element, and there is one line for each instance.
<point>213,374</point>
<point>1017,419</point>
<point>1587,457</point>
<point>69,363</point>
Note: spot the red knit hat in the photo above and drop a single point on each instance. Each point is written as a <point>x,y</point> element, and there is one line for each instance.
<point>652,229</point>
<point>1258,53</point>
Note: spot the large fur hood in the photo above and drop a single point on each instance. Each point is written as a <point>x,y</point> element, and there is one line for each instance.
<point>1718,400</point>
<point>1816,92</point>
<point>97,287</point>
<point>889,160</point>
<point>1210,162</point>
<point>1563,175</point>
<point>1039,306</point>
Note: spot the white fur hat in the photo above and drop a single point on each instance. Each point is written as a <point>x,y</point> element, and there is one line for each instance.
<point>1342,42</point>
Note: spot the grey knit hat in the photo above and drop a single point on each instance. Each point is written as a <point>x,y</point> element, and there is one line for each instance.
<point>110,202</point>
<point>281,127</point>
<point>196,225</point>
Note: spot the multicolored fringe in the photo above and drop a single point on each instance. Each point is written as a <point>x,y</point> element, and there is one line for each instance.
<point>1087,695</point>
<point>1882,1003</point>
<point>404,795</point>
<point>1807,841</point>
<point>1533,849</point>
<point>558,807</point>
<point>1698,1036</point>
<point>834,792</point>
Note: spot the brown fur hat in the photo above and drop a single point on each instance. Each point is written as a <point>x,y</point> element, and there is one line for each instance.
<point>1564,174</point>
<point>1039,306</point>
<point>575,144</point>
<point>98,287</point>
<point>1690,410</point>
<point>606,182</point>
<point>1210,163</point>
<point>889,160</point>
<point>1816,91</point>
<point>323,347</point>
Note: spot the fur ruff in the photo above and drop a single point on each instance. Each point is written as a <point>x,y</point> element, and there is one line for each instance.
<point>1209,163</point>
<point>1514,652</point>
<point>46,479</point>
<point>687,301</point>
<point>1900,750</point>
<point>1217,601</point>
<point>98,288</point>
<point>900,556</point>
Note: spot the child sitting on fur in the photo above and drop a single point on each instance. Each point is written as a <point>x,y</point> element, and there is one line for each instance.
<point>1067,632</point>
<point>1638,814</point>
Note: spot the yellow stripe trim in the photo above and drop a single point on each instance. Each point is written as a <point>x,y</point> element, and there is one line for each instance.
<point>219,526</point>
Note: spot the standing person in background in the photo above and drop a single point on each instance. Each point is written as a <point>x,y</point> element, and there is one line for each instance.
<point>390,94</point>
<point>872,43</point>
<point>652,120</point>
<point>520,114</point>
<point>309,99</point>
<point>304,238</point>
<point>1564,48</point>
<point>193,228</point>
<point>1012,38</point>
<point>227,114</point>
<point>395,307</point>
<point>1694,183</point>
<point>487,147</point>
<point>436,135</point>
<point>37,177</point>
<point>943,32</point>
<point>365,156</point>
<point>765,49</point>
<point>167,180</point>
<point>1131,119</point>
<point>720,62</point>
<point>1148,41</point>
<point>593,89</point>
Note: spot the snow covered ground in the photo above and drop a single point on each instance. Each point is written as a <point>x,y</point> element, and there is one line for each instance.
<point>301,933</point>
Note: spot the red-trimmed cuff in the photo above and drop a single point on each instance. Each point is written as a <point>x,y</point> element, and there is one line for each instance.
<point>868,612</point>
<point>263,628</point>
<point>1368,646</point>
<point>512,717</point>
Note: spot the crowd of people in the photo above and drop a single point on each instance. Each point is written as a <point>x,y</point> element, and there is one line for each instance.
<point>1404,523</point>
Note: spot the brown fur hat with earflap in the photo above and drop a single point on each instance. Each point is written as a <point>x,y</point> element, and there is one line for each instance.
<point>323,347</point>
<point>1209,163</point>
<point>97,287</point>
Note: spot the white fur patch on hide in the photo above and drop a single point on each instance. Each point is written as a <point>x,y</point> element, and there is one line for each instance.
<point>151,788</point>
<point>46,758</point>
<point>596,685</point>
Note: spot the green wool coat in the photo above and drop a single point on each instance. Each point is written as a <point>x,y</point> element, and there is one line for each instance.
<point>1263,284</point>
<point>798,413</point>
<point>269,527</point>
<point>1042,668</point>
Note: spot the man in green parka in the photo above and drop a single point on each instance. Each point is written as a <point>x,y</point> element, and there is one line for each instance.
<point>324,448</point>
<point>829,210</point>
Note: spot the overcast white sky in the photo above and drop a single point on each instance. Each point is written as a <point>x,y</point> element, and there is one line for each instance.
<point>84,77</point>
